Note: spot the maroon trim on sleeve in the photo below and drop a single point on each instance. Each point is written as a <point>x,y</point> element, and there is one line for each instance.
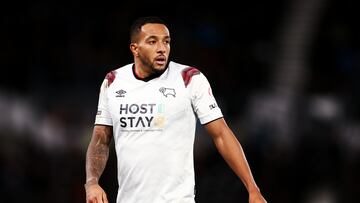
<point>110,77</point>
<point>187,74</point>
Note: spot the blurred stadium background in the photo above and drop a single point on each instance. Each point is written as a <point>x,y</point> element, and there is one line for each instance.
<point>285,73</point>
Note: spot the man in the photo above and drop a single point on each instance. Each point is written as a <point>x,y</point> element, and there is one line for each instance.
<point>150,108</point>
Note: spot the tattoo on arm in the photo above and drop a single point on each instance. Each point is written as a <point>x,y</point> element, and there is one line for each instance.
<point>97,154</point>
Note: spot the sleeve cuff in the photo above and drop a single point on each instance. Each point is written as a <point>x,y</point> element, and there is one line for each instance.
<point>103,121</point>
<point>208,118</point>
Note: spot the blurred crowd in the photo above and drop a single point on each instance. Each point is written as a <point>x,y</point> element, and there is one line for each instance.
<point>285,74</point>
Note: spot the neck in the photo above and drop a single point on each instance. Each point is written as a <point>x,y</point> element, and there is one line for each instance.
<point>140,72</point>
<point>143,75</point>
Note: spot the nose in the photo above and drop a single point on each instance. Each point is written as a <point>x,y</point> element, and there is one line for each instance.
<point>161,47</point>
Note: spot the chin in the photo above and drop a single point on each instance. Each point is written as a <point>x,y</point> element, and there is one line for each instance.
<point>160,68</point>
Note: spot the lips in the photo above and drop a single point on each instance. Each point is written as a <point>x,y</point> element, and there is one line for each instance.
<point>160,60</point>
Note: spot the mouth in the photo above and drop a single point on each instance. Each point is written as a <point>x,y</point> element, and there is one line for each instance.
<point>160,60</point>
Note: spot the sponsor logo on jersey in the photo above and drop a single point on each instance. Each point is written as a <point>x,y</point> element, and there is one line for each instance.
<point>147,116</point>
<point>159,121</point>
<point>168,91</point>
<point>212,106</point>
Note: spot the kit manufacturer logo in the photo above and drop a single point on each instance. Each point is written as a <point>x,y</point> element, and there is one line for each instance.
<point>120,93</point>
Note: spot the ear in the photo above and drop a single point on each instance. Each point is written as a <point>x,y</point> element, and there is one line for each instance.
<point>134,49</point>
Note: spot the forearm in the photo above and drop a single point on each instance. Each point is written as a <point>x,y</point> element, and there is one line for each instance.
<point>232,152</point>
<point>96,158</point>
<point>97,155</point>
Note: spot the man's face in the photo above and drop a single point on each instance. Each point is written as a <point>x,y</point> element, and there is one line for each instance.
<point>152,47</point>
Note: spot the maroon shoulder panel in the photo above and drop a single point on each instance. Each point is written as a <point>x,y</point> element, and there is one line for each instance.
<point>187,74</point>
<point>110,77</point>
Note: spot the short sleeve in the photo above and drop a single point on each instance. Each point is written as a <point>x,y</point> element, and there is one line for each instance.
<point>203,100</point>
<point>103,116</point>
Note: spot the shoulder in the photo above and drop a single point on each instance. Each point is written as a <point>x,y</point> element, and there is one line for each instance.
<point>180,67</point>
<point>114,74</point>
<point>187,72</point>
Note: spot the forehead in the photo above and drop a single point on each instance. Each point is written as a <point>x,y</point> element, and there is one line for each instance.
<point>155,29</point>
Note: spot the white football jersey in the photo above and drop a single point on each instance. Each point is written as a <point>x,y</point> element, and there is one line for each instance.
<point>154,129</point>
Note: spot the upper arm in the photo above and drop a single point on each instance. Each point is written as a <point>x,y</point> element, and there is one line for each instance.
<point>217,128</point>
<point>103,115</point>
<point>202,98</point>
<point>102,134</point>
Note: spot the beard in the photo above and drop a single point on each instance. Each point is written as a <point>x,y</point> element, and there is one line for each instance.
<point>151,66</point>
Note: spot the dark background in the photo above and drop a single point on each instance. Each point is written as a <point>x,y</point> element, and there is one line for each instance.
<point>285,73</point>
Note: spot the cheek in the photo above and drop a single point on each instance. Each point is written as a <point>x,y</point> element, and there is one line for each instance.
<point>146,50</point>
<point>146,54</point>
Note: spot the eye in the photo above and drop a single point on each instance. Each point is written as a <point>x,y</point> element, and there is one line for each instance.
<point>152,42</point>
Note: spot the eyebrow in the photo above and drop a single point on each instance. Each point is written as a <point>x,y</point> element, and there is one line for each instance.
<point>156,37</point>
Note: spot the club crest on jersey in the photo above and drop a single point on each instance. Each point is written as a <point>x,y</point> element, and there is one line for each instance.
<point>120,93</point>
<point>167,91</point>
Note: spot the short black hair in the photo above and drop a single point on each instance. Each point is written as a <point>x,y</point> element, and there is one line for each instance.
<point>138,23</point>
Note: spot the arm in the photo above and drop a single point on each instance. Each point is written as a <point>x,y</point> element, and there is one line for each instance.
<point>96,158</point>
<point>231,150</point>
